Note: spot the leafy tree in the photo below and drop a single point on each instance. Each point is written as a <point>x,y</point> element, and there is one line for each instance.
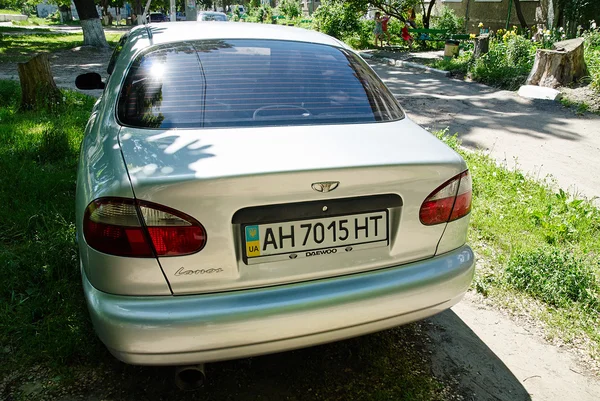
<point>449,21</point>
<point>16,5</point>
<point>572,13</point>
<point>399,8</point>
<point>289,8</point>
<point>339,18</point>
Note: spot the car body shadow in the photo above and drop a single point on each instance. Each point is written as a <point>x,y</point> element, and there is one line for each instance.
<point>460,357</point>
<point>439,358</point>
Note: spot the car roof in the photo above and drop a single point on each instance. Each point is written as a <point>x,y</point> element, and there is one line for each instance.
<point>171,32</point>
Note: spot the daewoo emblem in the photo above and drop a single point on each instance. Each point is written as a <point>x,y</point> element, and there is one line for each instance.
<point>325,186</point>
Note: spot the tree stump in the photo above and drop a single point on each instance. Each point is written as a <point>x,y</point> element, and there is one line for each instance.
<point>38,89</point>
<point>482,45</point>
<point>559,67</point>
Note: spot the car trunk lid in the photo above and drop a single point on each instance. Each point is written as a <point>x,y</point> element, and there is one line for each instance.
<point>231,180</point>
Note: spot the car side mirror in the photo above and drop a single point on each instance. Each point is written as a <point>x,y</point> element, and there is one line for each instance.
<point>89,81</point>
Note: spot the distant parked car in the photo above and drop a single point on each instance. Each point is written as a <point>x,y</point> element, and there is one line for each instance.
<point>246,189</point>
<point>157,17</point>
<point>180,16</point>
<point>211,16</point>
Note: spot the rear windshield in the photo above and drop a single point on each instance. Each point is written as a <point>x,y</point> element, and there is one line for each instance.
<point>252,83</point>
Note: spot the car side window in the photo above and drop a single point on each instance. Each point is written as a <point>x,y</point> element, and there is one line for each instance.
<point>116,53</point>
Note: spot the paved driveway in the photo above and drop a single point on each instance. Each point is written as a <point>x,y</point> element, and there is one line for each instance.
<point>540,137</point>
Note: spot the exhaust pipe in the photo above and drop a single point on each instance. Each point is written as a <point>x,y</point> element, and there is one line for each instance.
<point>189,378</point>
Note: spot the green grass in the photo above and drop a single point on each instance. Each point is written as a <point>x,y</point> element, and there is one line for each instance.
<point>40,316</point>
<point>9,29</point>
<point>19,48</point>
<point>592,57</point>
<point>458,64</point>
<point>36,21</point>
<point>539,246</point>
<point>580,108</point>
<point>44,321</point>
<point>11,12</point>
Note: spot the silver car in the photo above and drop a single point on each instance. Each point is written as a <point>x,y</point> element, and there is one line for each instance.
<point>245,189</point>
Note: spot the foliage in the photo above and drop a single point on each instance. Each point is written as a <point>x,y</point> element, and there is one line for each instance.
<point>290,8</point>
<point>400,8</point>
<point>449,20</point>
<point>507,64</point>
<point>592,56</point>
<point>576,12</point>
<point>362,37</point>
<point>338,18</point>
<point>8,10</point>
<point>460,64</point>
<point>14,5</point>
<point>556,277</point>
<point>263,14</point>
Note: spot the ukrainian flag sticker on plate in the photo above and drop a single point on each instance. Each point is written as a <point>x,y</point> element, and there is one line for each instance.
<point>252,241</point>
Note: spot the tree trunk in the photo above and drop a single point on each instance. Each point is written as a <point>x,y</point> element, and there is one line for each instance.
<point>38,89</point>
<point>467,15</point>
<point>559,67</point>
<point>427,17</point>
<point>520,14</point>
<point>482,45</point>
<point>93,34</point>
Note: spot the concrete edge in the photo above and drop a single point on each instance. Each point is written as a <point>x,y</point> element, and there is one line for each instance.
<point>408,64</point>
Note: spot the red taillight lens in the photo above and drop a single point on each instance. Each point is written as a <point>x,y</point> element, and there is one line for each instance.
<point>449,202</point>
<point>113,226</point>
<point>172,232</point>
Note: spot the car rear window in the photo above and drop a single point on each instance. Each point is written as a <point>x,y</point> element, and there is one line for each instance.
<point>213,17</point>
<point>250,83</point>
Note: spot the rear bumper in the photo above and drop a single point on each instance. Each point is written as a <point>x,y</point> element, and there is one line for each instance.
<point>176,330</point>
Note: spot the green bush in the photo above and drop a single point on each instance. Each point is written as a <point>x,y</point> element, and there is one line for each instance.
<point>555,276</point>
<point>338,18</point>
<point>290,8</point>
<point>508,62</point>
<point>363,37</point>
<point>592,56</point>
<point>449,20</point>
<point>15,5</point>
<point>262,14</point>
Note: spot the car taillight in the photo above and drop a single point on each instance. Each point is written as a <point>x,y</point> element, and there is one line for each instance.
<point>113,226</point>
<point>449,202</point>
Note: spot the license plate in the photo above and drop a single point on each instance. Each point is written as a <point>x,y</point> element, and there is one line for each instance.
<point>315,237</point>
